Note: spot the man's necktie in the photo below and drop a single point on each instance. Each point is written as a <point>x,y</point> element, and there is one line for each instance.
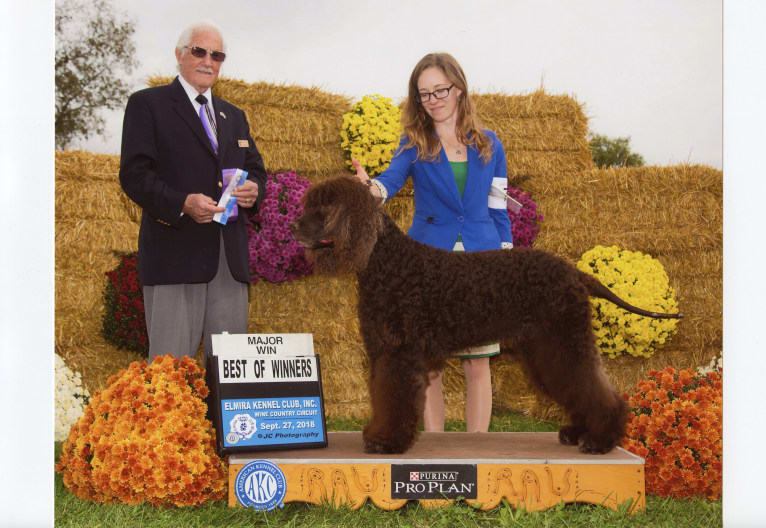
<point>212,133</point>
<point>207,121</point>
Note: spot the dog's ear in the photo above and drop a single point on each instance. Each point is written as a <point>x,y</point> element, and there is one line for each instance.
<point>354,222</point>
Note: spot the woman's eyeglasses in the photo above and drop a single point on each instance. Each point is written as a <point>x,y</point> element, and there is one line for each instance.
<point>200,53</point>
<point>441,93</point>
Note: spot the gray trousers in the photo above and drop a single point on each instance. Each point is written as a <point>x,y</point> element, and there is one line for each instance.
<point>179,315</point>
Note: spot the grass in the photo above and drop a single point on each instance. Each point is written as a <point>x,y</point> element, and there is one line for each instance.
<point>72,512</point>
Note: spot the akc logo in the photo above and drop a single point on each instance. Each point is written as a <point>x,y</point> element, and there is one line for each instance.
<point>260,484</point>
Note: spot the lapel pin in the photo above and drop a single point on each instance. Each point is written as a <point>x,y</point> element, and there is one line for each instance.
<point>222,115</point>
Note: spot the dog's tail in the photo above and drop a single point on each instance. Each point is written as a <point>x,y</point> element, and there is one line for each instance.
<point>596,289</point>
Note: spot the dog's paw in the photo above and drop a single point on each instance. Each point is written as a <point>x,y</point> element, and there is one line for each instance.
<point>375,442</point>
<point>376,446</point>
<point>595,446</point>
<point>570,434</point>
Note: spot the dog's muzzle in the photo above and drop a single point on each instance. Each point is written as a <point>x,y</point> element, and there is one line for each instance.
<point>322,244</point>
<point>309,244</point>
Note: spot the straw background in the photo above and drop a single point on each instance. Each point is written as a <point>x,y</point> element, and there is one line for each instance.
<point>673,213</point>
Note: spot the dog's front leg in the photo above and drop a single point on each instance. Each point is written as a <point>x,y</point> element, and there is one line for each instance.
<point>397,392</point>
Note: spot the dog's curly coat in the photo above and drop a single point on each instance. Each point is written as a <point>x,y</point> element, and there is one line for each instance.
<point>418,305</point>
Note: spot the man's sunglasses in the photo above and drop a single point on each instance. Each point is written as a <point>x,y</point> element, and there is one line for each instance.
<point>200,53</point>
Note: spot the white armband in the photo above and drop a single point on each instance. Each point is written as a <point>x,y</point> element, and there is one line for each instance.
<point>497,193</point>
<point>382,188</point>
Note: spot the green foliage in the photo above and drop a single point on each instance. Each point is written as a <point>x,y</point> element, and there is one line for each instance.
<point>94,55</point>
<point>615,152</point>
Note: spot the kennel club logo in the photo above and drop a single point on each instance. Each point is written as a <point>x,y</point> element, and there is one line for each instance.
<point>433,481</point>
<point>260,484</point>
<point>241,427</point>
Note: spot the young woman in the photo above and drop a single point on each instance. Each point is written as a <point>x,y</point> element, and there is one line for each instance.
<point>459,178</point>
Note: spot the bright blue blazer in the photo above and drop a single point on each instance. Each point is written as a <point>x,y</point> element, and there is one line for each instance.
<point>440,214</point>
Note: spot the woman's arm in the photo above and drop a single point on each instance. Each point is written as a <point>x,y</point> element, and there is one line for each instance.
<point>393,178</point>
<point>497,202</point>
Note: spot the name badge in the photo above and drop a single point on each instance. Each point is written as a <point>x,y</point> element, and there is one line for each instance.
<point>242,143</point>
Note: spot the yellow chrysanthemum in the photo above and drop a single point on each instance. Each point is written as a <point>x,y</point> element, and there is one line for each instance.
<point>370,133</point>
<point>640,280</point>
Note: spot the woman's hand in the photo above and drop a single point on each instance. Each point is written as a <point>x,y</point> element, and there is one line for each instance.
<point>362,176</point>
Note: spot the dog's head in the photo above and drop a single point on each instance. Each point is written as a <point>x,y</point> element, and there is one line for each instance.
<point>339,225</point>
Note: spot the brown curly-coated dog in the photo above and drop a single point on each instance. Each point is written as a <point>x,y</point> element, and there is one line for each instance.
<point>418,305</point>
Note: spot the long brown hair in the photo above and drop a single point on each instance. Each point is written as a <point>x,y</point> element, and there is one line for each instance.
<point>418,125</point>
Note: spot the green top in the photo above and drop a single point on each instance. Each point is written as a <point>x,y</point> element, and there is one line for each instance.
<point>460,170</point>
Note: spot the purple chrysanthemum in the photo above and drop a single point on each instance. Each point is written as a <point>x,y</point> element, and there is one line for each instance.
<point>274,255</point>
<point>525,223</point>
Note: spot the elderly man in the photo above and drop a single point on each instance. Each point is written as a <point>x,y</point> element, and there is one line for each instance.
<point>176,141</point>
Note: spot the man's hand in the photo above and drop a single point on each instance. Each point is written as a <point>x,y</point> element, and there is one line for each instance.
<point>246,194</point>
<point>201,208</point>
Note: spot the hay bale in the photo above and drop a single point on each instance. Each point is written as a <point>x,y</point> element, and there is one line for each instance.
<point>314,163</point>
<point>78,237</point>
<point>658,210</point>
<point>400,208</point>
<point>79,307</point>
<point>102,201</point>
<point>524,166</point>
<point>81,261</point>
<point>290,97</point>
<point>304,127</point>
<point>82,165</point>
<point>533,105</point>
<point>544,135</point>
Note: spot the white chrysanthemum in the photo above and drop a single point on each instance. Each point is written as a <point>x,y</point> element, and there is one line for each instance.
<point>713,366</point>
<point>71,398</point>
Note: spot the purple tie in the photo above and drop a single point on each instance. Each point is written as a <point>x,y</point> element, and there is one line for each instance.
<point>207,121</point>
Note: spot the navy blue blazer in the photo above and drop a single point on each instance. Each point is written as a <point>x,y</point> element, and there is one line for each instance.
<point>166,156</point>
<point>440,213</point>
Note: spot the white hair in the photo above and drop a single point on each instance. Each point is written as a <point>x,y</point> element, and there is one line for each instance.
<point>187,34</point>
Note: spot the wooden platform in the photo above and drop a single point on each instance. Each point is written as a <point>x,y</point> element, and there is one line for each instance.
<point>529,469</point>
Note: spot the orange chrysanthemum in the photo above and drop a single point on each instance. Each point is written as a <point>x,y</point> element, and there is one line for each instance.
<point>677,428</point>
<point>145,438</point>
